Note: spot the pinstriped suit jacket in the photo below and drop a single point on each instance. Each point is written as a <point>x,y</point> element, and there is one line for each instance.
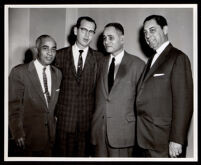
<point>76,101</point>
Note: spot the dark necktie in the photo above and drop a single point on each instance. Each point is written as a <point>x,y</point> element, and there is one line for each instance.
<point>45,85</point>
<point>111,74</point>
<point>148,65</point>
<point>80,64</point>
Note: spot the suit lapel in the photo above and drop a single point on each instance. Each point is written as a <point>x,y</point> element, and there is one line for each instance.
<point>36,82</point>
<point>54,83</point>
<point>105,75</point>
<point>161,59</point>
<point>72,63</point>
<point>122,70</point>
<point>89,61</point>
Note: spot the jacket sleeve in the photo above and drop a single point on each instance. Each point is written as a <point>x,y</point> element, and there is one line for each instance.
<point>182,91</point>
<point>16,110</point>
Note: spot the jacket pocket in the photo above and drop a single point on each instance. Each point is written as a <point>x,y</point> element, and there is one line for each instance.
<point>162,121</point>
<point>130,118</point>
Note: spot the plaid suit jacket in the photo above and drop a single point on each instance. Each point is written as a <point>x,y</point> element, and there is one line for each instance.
<point>76,100</point>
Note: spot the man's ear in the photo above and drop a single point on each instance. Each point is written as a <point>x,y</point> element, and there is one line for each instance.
<point>75,30</point>
<point>165,30</point>
<point>122,38</point>
<point>35,49</point>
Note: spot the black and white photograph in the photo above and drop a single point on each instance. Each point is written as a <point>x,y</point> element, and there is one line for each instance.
<point>101,82</point>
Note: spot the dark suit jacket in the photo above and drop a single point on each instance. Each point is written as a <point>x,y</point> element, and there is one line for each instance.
<point>76,100</point>
<point>165,101</point>
<point>115,110</point>
<point>29,115</point>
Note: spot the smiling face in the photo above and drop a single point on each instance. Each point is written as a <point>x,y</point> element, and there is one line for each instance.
<point>46,51</point>
<point>84,33</point>
<point>155,36</point>
<point>113,40</point>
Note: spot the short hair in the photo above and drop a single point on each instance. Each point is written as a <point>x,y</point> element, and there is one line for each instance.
<point>160,20</point>
<point>117,26</point>
<point>39,39</point>
<point>87,19</point>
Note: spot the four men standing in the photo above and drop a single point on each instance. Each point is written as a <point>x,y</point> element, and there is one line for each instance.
<point>110,99</point>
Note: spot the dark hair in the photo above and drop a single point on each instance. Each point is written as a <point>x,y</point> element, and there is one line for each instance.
<point>39,39</point>
<point>117,26</point>
<point>160,20</point>
<point>85,18</point>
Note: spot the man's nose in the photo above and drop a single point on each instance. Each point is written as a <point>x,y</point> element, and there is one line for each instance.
<point>49,52</point>
<point>106,41</point>
<point>147,35</point>
<point>87,34</point>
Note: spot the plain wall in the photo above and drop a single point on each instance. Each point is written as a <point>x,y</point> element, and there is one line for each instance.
<point>26,24</point>
<point>19,31</point>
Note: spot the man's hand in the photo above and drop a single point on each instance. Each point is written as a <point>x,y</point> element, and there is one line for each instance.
<point>175,149</point>
<point>20,143</point>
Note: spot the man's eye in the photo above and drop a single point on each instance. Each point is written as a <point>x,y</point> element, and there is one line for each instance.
<point>111,38</point>
<point>83,30</point>
<point>44,48</point>
<point>152,30</point>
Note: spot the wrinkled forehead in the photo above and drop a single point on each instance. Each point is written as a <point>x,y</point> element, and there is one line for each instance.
<point>47,41</point>
<point>110,31</point>
<point>150,23</point>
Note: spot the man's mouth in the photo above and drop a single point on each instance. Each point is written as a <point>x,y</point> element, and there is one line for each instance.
<point>86,40</point>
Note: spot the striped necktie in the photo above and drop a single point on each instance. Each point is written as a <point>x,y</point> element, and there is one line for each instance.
<point>45,85</point>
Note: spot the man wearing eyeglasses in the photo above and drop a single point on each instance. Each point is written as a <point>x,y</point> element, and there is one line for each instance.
<point>80,66</point>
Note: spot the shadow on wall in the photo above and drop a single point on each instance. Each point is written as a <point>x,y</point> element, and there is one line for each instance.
<point>100,45</point>
<point>147,51</point>
<point>71,38</point>
<point>30,55</point>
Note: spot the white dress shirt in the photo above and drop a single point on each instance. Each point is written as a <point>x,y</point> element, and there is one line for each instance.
<point>118,59</point>
<point>39,68</point>
<point>76,54</point>
<point>159,51</point>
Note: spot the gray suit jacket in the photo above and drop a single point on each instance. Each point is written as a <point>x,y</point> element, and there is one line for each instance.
<point>29,115</point>
<point>165,101</point>
<point>115,110</point>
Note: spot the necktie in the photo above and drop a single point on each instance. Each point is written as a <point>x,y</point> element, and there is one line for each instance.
<point>148,65</point>
<point>45,85</point>
<point>111,74</point>
<point>80,64</point>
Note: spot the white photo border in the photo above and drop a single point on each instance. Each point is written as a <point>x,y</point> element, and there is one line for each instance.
<point>90,159</point>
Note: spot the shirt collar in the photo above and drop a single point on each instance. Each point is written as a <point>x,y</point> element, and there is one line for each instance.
<point>118,56</point>
<point>162,47</point>
<point>40,66</point>
<point>76,48</point>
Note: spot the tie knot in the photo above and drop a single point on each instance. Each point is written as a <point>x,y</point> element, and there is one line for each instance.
<point>154,52</point>
<point>81,51</point>
<point>44,68</point>
<point>113,59</point>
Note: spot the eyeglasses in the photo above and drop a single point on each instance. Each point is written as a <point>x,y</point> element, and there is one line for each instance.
<point>84,31</point>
